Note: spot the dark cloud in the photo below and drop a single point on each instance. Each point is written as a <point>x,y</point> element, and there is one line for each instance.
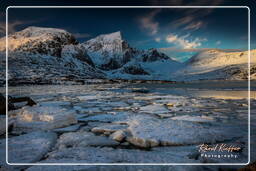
<point>148,21</point>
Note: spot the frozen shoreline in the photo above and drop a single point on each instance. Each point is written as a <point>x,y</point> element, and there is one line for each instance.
<point>152,121</point>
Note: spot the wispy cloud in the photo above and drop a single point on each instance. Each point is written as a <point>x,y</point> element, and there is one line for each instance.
<point>194,26</point>
<point>157,39</point>
<point>183,42</point>
<point>148,22</point>
<point>181,21</point>
<point>218,42</point>
<point>191,19</point>
<point>12,26</point>
<point>81,35</point>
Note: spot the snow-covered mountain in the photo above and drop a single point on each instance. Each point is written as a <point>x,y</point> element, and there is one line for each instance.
<point>118,59</point>
<point>107,51</point>
<point>217,64</point>
<point>49,55</point>
<point>218,58</point>
<point>48,41</point>
<point>45,55</point>
<point>147,65</point>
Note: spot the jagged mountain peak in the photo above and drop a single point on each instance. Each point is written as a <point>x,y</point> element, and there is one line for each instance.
<point>106,50</point>
<point>110,37</point>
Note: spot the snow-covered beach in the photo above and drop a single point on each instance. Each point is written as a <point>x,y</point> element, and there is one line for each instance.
<point>124,123</point>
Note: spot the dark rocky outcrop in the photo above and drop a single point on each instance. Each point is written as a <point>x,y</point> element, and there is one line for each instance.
<point>12,101</point>
<point>113,64</point>
<point>135,70</point>
<point>153,55</point>
<point>2,104</point>
<point>78,52</point>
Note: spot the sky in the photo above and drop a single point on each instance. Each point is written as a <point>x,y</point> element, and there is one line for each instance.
<point>179,33</point>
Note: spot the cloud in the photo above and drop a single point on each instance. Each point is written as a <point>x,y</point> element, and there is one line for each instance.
<point>190,18</point>
<point>218,42</point>
<point>157,39</point>
<point>194,26</point>
<point>183,42</point>
<point>147,22</point>
<point>181,21</point>
<point>12,26</point>
<point>189,22</point>
<point>81,35</point>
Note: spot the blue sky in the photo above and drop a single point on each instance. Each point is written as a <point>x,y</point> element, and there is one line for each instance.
<point>180,33</point>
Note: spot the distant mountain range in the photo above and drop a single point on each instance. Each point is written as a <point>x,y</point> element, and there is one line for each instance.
<point>47,55</point>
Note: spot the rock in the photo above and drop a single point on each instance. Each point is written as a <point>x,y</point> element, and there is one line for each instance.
<point>19,105</point>
<point>42,118</point>
<point>134,69</point>
<point>14,103</point>
<point>28,148</point>
<point>2,124</point>
<point>153,55</point>
<point>29,101</point>
<point>148,131</point>
<point>82,139</point>
<point>3,105</point>
<point>118,135</point>
<point>109,128</point>
<point>76,51</point>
